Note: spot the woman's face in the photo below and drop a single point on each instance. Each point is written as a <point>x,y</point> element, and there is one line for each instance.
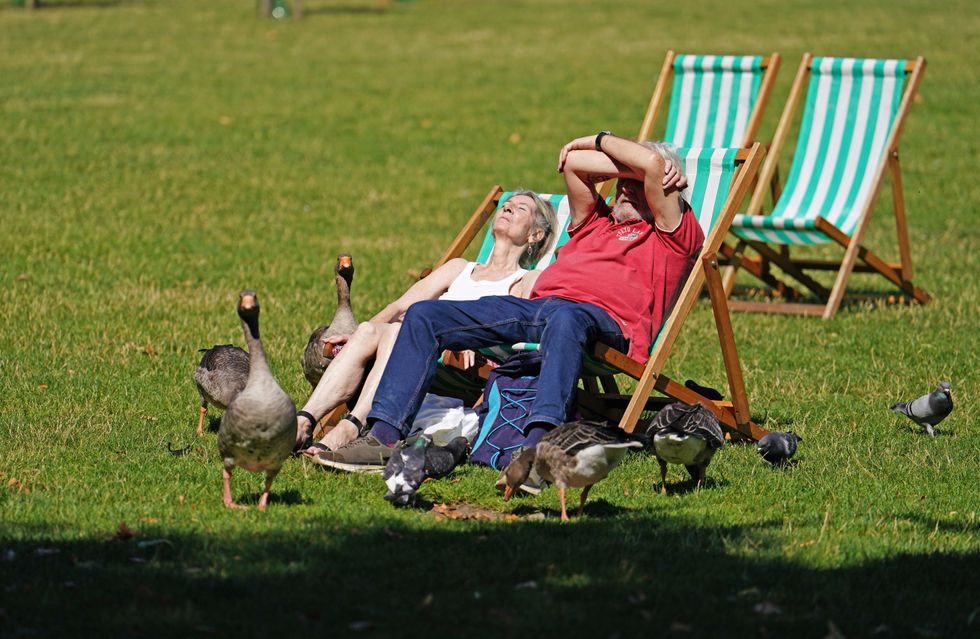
<point>515,220</point>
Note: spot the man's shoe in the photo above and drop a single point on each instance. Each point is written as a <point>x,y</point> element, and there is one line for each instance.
<point>363,455</point>
<point>532,486</point>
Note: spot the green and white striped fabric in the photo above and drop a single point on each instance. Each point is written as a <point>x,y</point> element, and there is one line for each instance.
<point>709,175</point>
<point>850,111</point>
<point>712,99</point>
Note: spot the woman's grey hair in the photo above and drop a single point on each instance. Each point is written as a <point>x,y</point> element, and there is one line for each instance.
<point>545,219</point>
<point>666,151</point>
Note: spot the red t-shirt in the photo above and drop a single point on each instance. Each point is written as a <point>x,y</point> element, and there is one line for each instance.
<point>630,269</point>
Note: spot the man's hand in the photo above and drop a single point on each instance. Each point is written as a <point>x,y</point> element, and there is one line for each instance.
<point>673,179</point>
<point>586,143</point>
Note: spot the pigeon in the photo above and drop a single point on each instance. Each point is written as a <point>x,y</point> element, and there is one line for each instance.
<point>220,376</point>
<point>686,435</point>
<point>930,409</point>
<point>258,429</point>
<point>777,448</point>
<point>412,464</point>
<point>578,454</point>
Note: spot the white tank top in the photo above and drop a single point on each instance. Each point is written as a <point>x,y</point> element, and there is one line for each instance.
<point>464,287</point>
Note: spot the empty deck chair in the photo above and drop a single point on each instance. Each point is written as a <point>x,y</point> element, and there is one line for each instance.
<point>853,117</point>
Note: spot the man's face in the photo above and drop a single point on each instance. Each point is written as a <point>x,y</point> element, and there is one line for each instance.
<point>631,201</point>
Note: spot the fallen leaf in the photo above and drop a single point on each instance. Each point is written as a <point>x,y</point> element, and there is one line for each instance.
<point>149,350</point>
<point>23,277</point>
<point>515,138</point>
<point>42,387</point>
<point>123,533</point>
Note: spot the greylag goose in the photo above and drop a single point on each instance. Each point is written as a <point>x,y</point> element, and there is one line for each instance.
<point>686,435</point>
<point>928,410</point>
<point>343,323</point>
<point>258,429</point>
<point>575,454</point>
<point>220,376</point>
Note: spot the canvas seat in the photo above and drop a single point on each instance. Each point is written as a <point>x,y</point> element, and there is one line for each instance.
<point>848,140</point>
<point>716,101</point>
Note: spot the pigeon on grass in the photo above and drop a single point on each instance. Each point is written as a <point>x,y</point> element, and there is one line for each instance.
<point>930,409</point>
<point>777,448</point>
<point>412,464</point>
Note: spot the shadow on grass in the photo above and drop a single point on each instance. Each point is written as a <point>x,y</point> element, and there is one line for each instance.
<point>611,573</point>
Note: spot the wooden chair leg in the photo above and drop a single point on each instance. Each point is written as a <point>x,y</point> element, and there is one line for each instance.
<point>733,369</point>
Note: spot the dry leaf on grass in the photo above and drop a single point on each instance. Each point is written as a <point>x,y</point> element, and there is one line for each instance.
<point>466,511</point>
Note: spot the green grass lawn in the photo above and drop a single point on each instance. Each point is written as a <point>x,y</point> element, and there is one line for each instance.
<point>157,157</point>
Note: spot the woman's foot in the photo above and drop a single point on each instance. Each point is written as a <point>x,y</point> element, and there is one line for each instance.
<point>305,425</point>
<point>343,433</point>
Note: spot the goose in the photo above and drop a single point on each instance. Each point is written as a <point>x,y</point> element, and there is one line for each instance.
<point>343,323</point>
<point>578,454</point>
<point>220,376</point>
<point>686,435</point>
<point>258,429</point>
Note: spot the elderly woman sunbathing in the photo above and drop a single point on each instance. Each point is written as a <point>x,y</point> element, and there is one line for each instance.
<point>523,230</point>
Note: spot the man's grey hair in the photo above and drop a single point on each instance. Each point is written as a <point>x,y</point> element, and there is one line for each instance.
<point>666,151</point>
<point>545,219</point>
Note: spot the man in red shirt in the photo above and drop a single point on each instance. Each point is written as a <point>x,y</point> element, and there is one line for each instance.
<point>613,282</point>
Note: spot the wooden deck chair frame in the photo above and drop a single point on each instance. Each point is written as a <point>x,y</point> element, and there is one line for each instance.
<point>899,274</point>
<point>601,394</point>
<point>769,63</point>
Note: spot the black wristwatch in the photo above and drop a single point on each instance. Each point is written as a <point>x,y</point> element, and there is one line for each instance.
<point>598,139</point>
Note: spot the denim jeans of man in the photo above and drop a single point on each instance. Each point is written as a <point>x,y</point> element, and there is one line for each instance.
<point>564,329</point>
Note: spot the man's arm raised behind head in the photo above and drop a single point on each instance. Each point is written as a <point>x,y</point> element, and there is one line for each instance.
<point>583,166</point>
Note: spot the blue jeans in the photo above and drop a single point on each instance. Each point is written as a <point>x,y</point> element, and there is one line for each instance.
<point>563,328</point>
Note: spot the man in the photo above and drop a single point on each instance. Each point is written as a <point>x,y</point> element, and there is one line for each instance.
<point>613,282</point>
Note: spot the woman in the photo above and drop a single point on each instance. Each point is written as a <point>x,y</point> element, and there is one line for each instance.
<point>523,230</point>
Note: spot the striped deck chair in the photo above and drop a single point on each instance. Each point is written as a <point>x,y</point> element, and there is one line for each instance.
<point>719,179</point>
<point>715,100</point>
<point>852,121</point>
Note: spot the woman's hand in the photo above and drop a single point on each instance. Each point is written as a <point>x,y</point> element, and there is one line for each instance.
<point>335,343</point>
<point>586,143</point>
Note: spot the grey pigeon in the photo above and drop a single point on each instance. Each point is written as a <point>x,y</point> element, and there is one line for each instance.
<point>411,465</point>
<point>405,472</point>
<point>442,460</point>
<point>930,409</point>
<point>686,435</point>
<point>258,430</point>
<point>777,448</point>
<point>315,362</point>
<point>220,376</point>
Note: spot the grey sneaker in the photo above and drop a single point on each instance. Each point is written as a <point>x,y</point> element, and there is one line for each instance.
<point>534,484</point>
<point>363,455</point>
